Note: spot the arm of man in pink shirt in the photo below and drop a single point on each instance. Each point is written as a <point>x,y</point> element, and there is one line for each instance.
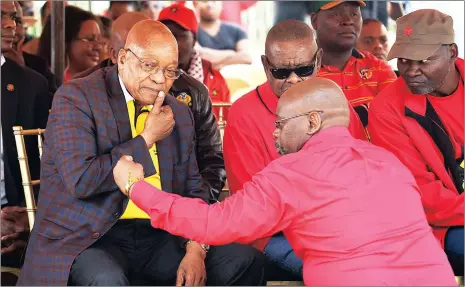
<point>443,207</point>
<point>259,210</point>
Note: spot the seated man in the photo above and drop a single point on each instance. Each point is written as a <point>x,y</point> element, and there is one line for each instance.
<point>183,24</point>
<point>420,119</point>
<point>24,102</point>
<point>87,232</point>
<point>220,43</point>
<point>291,56</point>
<point>333,196</point>
<point>31,61</point>
<point>359,74</point>
<point>208,144</point>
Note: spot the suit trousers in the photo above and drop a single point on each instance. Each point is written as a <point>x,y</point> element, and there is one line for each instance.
<point>132,252</point>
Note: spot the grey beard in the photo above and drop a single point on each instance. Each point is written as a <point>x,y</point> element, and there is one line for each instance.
<point>280,149</point>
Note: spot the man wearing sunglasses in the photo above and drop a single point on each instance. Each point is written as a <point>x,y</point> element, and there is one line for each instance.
<point>359,74</point>
<point>86,232</point>
<point>291,56</point>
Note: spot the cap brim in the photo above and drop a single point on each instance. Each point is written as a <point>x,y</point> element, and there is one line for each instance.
<point>335,3</point>
<point>177,21</point>
<point>412,52</point>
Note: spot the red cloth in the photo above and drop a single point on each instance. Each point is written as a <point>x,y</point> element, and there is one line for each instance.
<point>67,76</point>
<point>248,144</point>
<point>350,210</point>
<point>391,129</point>
<point>181,15</point>
<point>217,87</point>
<point>232,10</point>
<point>363,77</point>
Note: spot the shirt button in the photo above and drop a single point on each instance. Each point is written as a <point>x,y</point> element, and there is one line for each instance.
<point>345,87</point>
<point>95,235</point>
<point>211,77</point>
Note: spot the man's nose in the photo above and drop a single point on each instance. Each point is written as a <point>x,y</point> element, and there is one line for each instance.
<point>294,79</point>
<point>158,77</point>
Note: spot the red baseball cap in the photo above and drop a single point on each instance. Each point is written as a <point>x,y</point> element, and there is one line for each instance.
<point>181,15</point>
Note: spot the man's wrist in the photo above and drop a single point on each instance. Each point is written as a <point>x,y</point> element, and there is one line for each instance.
<point>148,142</point>
<point>195,247</point>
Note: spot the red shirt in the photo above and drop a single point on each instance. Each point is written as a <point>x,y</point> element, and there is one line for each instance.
<point>363,77</point>
<point>349,209</point>
<point>232,10</point>
<point>390,128</point>
<point>248,143</point>
<point>451,112</point>
<point>217,87</point>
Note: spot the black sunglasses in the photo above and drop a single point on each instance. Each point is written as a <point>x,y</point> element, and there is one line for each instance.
<point>284,73</point>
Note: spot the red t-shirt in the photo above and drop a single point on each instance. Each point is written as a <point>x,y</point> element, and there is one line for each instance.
<point>451,112</point>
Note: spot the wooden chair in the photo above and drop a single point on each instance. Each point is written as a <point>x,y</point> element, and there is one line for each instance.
<point>235,84</point>
<point>28,183</point>
<point>221,122</point>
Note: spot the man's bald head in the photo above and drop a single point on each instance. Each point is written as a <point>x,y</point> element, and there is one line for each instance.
<point>150,35</point>
<point>289,45</point>
<point>148,63</point>
<point>289,31</point>
<point>318,104</point>
<point>120,29</point>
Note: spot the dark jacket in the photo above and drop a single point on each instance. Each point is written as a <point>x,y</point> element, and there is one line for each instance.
<point>40,65</point>
<point>209,151</point>
<point>23,104</point>
<point>87,133</point>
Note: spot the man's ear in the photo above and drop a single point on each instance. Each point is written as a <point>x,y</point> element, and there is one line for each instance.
<point>314,18</point>
<point>121,57</point>
<point>319,60</point>
<point>454,52</point>
<point>314,120</point>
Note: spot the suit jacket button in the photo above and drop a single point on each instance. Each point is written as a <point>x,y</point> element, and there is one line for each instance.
<point>96,235</point>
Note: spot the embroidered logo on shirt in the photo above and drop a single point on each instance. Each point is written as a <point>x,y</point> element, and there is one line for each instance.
<point>174,9</point>
<point>10,87</point>
<point>183,97</point>
<point>365,73</point>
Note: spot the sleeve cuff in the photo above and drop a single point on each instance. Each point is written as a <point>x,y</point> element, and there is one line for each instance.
<point>142,194</point>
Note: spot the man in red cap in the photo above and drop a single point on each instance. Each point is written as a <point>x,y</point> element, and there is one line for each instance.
<point>420,119</point>
<point>359,74</point>
<point>183,24</point>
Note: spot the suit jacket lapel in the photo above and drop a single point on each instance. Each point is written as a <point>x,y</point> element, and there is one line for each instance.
<point>118,104</point>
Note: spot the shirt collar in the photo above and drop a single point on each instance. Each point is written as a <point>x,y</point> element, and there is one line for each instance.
<point>127,95</point>
<point>268,97</point>
<point>3,60</point>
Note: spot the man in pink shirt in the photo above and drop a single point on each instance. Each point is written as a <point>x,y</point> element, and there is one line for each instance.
<point>350,210</point>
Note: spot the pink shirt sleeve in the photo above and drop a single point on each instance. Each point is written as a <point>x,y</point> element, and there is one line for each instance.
<point>257,211</point>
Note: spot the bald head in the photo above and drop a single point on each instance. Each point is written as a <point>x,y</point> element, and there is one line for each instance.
<point>307,108</point>
<point>122,26</point>
<point>317,94</point>
<point>150,35</point>
<point>289,31</point>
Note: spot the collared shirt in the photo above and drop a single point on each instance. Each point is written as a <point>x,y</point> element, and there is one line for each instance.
<point>248,143</point>
<point>2,165</point>
<point>350,210</point>
<point>363,77</point>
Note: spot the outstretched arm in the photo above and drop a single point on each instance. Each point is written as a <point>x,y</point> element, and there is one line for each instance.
<point>257,211</point>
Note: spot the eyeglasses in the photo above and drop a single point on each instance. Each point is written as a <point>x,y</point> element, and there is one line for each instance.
<point>95,42</point>
<point>151,67</point>
<point>284,73</point>
<point>278,122</point>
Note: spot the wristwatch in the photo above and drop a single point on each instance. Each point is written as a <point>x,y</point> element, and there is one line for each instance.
<point>205,247</point>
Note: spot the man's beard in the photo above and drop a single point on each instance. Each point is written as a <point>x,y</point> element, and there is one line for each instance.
<point>280,149</point>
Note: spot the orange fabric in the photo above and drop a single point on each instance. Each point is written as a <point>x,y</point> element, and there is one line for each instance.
<point>403,136</point>
<point>363,77</point>
<point>217,88</point>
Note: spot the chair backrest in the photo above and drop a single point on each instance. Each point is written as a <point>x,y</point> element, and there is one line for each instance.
<point>27,181</point>
<point>235,84</point>
<point>221,122</point>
